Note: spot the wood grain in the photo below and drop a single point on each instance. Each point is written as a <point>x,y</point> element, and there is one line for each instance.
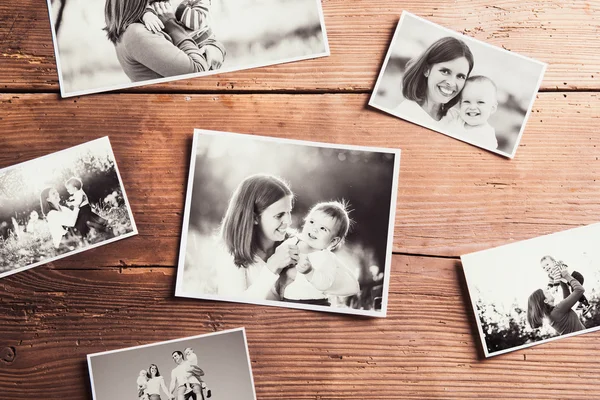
<point>561,33</point>
<point>425,349</point>
<point>449,192</point>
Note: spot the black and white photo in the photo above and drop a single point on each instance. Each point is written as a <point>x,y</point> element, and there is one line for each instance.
<point>288,223</point>
<point>103,45</point>
<point>210,366</point>
<point>61,204</point>
<point>456,85</point>
<point>537,290</point>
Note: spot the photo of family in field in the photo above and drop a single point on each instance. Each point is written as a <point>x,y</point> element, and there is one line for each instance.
<point>458,86</point>
<point>61,204</point>
<point>105,45</point>
<point>196,368</point>
<point>288,223</point>
<point>541,289</point>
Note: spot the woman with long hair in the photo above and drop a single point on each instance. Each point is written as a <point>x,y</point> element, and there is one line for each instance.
<point>58,217</point>
<point>145,55</point>
<point>543,306</point>
<point>155,383</point>
<point>433,81</point>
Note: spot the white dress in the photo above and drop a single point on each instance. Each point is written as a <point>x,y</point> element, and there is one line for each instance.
<point>482,136</point>
<point>57,220</point>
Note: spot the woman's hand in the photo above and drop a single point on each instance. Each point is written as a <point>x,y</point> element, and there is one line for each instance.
<point>285,254</point>
<point>152,22</point>
<point>214,57</point>
<point>164,10</point>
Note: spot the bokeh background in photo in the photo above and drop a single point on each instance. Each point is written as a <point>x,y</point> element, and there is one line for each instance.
<point>517,79</point>
<point>315,174</point>
<point>223,358</point>
<point>500,281</point>
<point>253,32</point>
<point>25,238</point>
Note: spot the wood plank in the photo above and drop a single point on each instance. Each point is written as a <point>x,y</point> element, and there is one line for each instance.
<point>562,34</point>
<point>453,198</point>
<point>426,349</point>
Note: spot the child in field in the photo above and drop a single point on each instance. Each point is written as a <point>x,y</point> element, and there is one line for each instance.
<point>310,281</point>
<point>553,268</point>
<point>192,360</point>
<point>477,103</point>
<point>194,16</point>
<point>142,381</point>
<point>79,200</point>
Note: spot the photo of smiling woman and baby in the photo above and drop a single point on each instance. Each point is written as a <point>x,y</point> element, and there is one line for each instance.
<point>288,223</point>
<point>457,85</point>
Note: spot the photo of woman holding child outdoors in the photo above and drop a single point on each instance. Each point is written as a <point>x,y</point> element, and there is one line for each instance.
<point>539,289</point>
<point>259,230</point>
<point>104,45</point>
<point>59,204</point>
<point>456,85</point>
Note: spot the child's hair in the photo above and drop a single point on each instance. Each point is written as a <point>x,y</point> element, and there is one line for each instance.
<point>537,309</point>
<point>75,182</point>
<point>338,210</point>
<point>253,195</point>
<point>482,79</point>
<point>547,258</point>
<point>414,82</point>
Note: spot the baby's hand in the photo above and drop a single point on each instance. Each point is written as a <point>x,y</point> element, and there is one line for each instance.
<point>214,57</point>
<point>304,266</point>
<point>152,22</point>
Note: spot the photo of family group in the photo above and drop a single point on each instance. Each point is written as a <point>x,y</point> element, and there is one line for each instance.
<point>61,204</point>
<point>105,45</point>
<point>212,366</point>
<point>288,223</point>
<point>456,85</point>
<point>530,292</point>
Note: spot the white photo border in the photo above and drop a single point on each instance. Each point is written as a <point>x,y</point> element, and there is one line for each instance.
<point>80,250</point>
<point>113,88</point>
<point>467,38</point>
<point>476,314</point>
<point>90,356</point>
<point>274,303</point>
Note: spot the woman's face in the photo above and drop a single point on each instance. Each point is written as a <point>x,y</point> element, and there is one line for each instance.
<point>153,371</point>
<point>549,297</point>
<point>54,197</point>
<point>445,80</point>
<point>275,220</point>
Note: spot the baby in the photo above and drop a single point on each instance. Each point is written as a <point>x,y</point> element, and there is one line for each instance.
<point>194,370</point>
<point>325,228</point>
<point>78,199</point>
<point>142,381</point>
<point>477,103</point>
<point>553,268</point>
<point>194,16</point>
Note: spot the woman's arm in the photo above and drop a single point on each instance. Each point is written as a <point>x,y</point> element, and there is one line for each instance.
<point>163,386</point>
<point>578,290</point>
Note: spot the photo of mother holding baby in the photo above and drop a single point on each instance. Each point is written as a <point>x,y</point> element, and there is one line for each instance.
<point>457,85</point>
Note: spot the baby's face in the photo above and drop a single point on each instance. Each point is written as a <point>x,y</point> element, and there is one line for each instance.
<point>318,230</point>
<point>547,265</point>
<point>70,188</point>
<point>478,102</point>
<point>142,373</point>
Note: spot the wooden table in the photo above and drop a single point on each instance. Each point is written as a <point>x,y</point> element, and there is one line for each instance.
<point>453,199</point>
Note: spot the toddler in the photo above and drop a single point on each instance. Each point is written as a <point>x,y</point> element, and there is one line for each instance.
<point>78,199</point>
<point>553,268</point>
<point>325,228</point>
<point>142,381</point>
<point>477,103</point>
<point>194,370</point>
<point>194,16</point>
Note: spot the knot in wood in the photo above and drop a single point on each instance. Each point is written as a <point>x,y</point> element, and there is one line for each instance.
<point>8,354</point>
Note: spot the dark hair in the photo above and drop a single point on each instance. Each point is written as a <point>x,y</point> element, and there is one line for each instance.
<point>414,82</point>
<point>338,210</point>
<point>252,196</point>
<point>149,368</point>
<point>75,182</point>
<point>119,14</point>
<point>178,352</point>
<point>46,205</point>
<point>537,309</point>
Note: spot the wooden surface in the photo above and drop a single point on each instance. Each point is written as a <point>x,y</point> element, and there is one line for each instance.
<point>452,199</point>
